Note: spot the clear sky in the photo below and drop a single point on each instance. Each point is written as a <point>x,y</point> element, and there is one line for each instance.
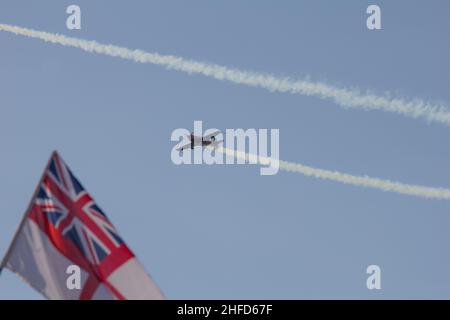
<point>225,231</point>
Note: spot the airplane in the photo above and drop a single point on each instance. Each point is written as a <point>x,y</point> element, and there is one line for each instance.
<point>205,141</point>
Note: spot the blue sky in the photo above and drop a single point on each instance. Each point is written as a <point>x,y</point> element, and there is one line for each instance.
<point>225,231</point>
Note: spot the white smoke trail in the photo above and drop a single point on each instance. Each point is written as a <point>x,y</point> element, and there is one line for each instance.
<point>345,97</point>
<point>363,181</point>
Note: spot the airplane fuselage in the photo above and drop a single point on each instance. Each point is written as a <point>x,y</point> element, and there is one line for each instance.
<point>199,141</point>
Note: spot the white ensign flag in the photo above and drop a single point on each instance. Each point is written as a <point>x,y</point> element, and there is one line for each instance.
<point>66,247</point>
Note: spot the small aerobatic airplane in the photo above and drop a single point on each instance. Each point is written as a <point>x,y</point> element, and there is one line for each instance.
<point>205,141</point>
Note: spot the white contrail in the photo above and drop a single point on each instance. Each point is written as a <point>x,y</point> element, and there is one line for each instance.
<point>351,98</point>
<point>363,181</point>
<point>344,97</point>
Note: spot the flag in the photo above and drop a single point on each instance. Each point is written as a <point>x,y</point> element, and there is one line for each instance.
<point>65,227</point>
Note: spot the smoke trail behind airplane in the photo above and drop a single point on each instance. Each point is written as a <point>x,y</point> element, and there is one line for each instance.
<point>361,181</point>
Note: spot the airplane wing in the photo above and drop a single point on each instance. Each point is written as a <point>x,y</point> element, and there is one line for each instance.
<point>186,146</point>
<point>197,139</point>
<point>215,133</point>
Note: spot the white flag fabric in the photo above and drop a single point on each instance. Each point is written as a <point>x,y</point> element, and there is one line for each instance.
<point>64,227</point>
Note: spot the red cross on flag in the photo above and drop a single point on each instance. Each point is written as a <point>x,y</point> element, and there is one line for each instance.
<point>63,226</point>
